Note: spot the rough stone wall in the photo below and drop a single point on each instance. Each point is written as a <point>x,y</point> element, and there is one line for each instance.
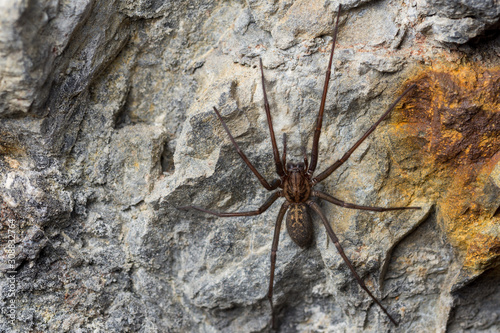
<point>106,126</point>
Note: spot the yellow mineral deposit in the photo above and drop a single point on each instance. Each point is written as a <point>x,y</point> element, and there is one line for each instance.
<point>450,127</point>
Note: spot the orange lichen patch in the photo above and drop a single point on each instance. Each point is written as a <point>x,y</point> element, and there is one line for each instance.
<point>10,149</point>
<point>458,108</point>
<point>451,121</point>
<point>13,164</point>
<point>482,251</point>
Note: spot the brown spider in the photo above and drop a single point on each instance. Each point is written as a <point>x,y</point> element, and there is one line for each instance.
<point>296,181</point>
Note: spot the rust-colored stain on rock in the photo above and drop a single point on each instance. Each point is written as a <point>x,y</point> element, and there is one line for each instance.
<point>450,128</point>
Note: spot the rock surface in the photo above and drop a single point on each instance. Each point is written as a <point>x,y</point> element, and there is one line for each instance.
<point>106,126</point>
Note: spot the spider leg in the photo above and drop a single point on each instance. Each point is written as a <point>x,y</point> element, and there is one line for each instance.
<point>304,153</point>
<point>279,166</point>
<point>284,151</point>
<point>335,201</point>
<point>274,184</point>
<point>260,210</point>
<point>335,240</point>
<point>319,120</point>
<point>344,158</point>
<point>274,249</point>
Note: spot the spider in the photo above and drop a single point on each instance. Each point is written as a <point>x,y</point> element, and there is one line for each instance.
<point>296,183</point>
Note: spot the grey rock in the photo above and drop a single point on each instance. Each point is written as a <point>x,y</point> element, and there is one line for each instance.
<point>34,35</point>
<point>448,30</point>
<point>458,21</point>
<point>107,125</point>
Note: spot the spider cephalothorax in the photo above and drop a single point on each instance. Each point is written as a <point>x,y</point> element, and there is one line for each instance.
<point>296,182</point>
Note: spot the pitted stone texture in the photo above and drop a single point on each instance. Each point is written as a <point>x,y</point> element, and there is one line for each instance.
<point>107,125</point>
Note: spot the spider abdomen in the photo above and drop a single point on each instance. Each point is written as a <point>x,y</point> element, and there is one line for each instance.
<point>299,225</point>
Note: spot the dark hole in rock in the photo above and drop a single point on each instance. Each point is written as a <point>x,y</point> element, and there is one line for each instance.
<point>167,159</point>
<point>497,212</point>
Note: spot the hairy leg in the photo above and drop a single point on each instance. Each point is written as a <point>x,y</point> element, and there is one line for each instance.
<point>335,201</point>
<point>260,210</point>
<point>335,240</point>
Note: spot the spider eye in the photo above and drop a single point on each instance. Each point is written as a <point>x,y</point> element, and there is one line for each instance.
<point>292,166</point>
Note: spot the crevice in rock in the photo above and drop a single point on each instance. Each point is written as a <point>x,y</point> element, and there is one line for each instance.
<point>476,306</point>
<point>167,159</point>
<point>430,215</point>
<point>497,212</point>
